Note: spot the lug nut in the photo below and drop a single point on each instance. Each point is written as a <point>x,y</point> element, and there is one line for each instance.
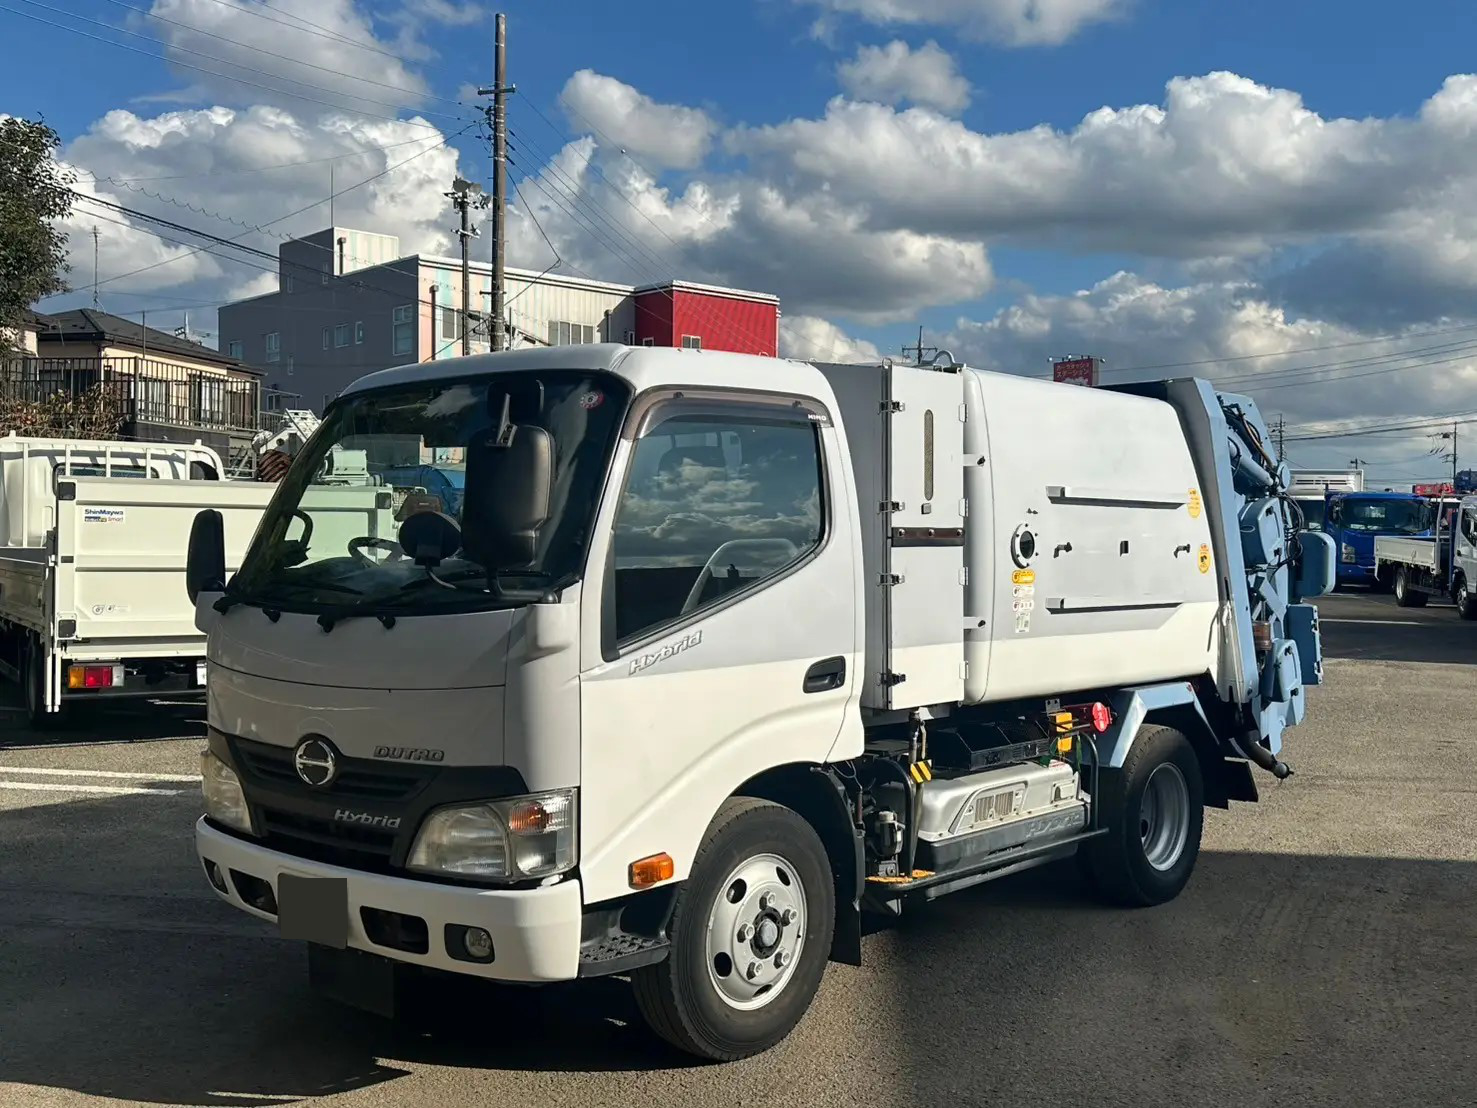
<point>782,959</point>
<point>788,917</point>
<point>743,934</point>
<point>765,902</point>
<point>753,971</point>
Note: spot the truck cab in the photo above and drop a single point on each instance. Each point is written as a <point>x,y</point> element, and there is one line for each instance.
<point>1354,520</point>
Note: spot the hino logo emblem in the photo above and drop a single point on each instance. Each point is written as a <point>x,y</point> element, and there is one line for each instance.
<point>315,762</point>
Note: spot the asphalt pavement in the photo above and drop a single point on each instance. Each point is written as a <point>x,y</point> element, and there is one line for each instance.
<point>1325,952</point>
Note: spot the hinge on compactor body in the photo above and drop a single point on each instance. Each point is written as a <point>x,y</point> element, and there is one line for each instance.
<point>890,506</point>
<point>891,579</point>
<point>889,678</point>
<point>888,407</point>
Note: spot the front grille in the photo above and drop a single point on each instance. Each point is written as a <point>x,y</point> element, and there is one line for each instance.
<point>357,778</point>
<point>325,840</point>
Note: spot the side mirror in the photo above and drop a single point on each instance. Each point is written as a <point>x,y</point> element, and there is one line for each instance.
<point>510,482</point>
<point>205,567</point>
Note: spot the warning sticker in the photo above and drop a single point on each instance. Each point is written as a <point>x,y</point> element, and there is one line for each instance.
<point>1022,623</point>
<point>102,515</point>
<point>1024,605</point>
<point>1024,577</point>
<point>1023,590</point>
<point>1204,558</point>
<point>1194,503</point>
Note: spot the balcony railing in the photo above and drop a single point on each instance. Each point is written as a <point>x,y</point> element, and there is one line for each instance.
<point>147,390</point>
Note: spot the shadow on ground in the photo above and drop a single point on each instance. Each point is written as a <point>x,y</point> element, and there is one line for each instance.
<point>121,722</point>
<point>1274,980</point>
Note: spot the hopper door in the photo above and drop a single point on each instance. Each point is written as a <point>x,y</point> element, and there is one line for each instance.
<point>925,516</point>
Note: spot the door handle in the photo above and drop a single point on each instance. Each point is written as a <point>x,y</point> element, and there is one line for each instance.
<point>825,675</point>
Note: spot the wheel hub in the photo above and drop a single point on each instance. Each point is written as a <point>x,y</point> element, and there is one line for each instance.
<point>1164,816</point>
<point>756,930</point>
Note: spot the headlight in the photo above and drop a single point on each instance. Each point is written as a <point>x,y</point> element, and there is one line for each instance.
<point>528,836</point>
<point>1349,555</point>
<point>224,801</point>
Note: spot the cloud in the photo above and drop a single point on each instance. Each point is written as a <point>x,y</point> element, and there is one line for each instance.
<point>317,49</point>
<point>1007,22</point>
<point>811,338</point>
<point>228,171</point>
<point>666,135</point>
<point>895,73</point>
<point>1318,372</point>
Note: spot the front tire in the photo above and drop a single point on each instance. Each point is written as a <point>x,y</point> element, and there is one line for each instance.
<point>751,934</point>
<point>1405,596</point>
<point>1154,809</point>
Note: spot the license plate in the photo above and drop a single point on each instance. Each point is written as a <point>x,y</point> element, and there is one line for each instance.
<point>200,674</point>
<point>313,910</point>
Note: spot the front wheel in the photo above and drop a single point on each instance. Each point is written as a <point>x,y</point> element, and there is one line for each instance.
<point>1465,599</point>
<point>751,933</point>
<point>1154,809</point>
<point>1405,595</point>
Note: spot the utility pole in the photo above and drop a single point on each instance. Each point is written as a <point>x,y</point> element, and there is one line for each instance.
<point>498,117</point>
<point>464,196</point>
<point>920,350</point>
<point>94,265</point>
<point>1279,432</point>
<point>1451,456</point>
<point>1358,463</point>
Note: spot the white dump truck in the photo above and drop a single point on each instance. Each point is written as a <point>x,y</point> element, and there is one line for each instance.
<point>722,653</point>
<point>92,563</point>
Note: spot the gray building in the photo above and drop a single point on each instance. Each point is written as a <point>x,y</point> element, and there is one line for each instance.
<point>348,304</point>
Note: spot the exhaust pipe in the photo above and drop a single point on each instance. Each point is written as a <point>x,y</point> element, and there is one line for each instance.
<point>1251,745</point>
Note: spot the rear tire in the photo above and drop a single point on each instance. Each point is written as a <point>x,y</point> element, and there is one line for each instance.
<point>1154,809</point>
<point>1405,595</point>
<point>751,934</point>
<point>1465,599</point>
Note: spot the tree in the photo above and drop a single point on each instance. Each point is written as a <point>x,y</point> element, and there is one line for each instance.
<point>35,195</point>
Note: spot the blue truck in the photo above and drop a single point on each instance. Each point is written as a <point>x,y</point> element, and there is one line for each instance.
<point>1354,520</point>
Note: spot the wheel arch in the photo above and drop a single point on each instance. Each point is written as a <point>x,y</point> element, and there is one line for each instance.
<point>1178,706</point>
<point>817,794</point>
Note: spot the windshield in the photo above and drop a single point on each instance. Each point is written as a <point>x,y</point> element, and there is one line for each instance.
<point>328,543</point>
<point>1399,517</point>
<point>1313,511</point>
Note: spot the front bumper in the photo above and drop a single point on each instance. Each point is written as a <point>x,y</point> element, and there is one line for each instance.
<point>1353,572</point>
<point>535,932</point>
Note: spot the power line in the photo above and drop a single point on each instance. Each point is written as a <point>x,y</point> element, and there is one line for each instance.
<point>1430,423</point>
<point>304,24</point>
<point>213,73</point>
<point>234,172</point>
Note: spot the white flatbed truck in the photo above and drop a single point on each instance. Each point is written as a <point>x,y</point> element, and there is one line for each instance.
<point>1442,564</point>
<point>724,652</point>
<point>92,565</point>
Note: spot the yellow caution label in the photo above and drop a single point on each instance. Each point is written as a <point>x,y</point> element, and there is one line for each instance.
<point>1063,722</point>
<point>921,772</point>
<point>1204,558</point>
<point>1194,503</point>
<point>1023,577</point>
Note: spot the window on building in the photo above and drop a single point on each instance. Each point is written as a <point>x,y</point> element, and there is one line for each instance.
<point>648,342</point>
<point>341,335</point>
<point>403,326</point>
<point>451,319</point>
<point>274,347</point>
<point>233,348</point>
<point>692,342</point>
<point>629,338</point>
<point>358,332</point>
<point>325,275</point>
<point>287,282</point>
<point>327,337</point>
<point>564,333</point>
<point>687,462</point>
<point>291,365</point>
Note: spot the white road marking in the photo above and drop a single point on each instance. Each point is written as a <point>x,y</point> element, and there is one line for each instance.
<point>100,773</point>
<point>95,790</point>
<point>1381,622</point>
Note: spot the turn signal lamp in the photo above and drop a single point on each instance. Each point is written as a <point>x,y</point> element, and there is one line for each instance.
<point>94,677</point>
<point>652,871</point>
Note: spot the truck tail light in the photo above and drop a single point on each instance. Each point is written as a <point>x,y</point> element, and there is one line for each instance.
<point>94,677</point>
<point>1102,717</point>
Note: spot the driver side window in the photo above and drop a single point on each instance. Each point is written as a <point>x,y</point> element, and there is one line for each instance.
<point>716,503</point>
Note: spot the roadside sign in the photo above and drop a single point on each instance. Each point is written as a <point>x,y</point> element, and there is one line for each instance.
<point>1076,371</point>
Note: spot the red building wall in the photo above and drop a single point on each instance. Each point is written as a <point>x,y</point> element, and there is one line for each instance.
<point>720,322</point>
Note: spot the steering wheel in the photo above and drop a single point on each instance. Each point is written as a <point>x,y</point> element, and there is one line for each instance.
<point>783,547</point>
<point>357,548</point>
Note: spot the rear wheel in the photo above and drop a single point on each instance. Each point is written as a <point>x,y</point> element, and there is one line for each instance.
<point>1154,809</point>
<point>1466,600</point>
<point>1406,596</point>
<point>751,934</point>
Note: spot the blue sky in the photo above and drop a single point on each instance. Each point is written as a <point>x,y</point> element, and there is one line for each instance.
<point>1314,196</point>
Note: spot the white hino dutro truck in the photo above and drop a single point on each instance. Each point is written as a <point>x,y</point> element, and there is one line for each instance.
<point>719,654</point>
